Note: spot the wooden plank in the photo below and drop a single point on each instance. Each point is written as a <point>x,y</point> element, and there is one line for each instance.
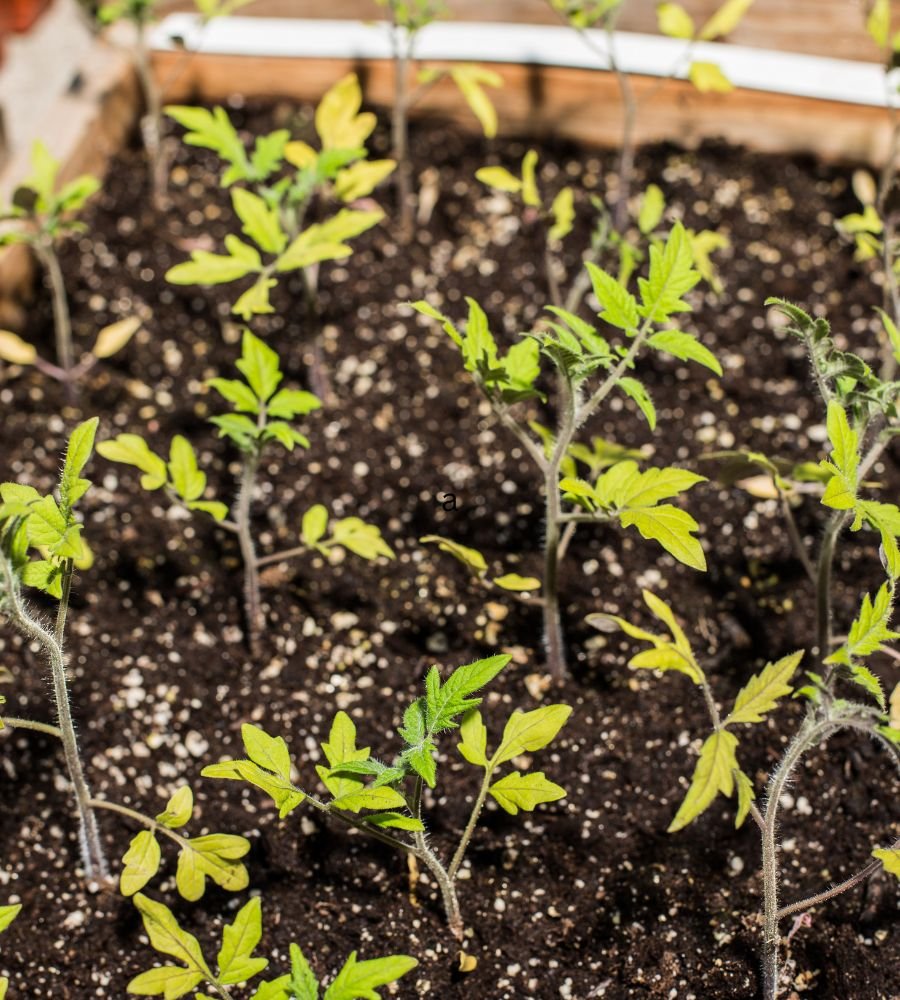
<point>833,28</point>
<point>570,103</point>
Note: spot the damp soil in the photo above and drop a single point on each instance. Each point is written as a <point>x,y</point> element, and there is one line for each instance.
<point>587,897</point>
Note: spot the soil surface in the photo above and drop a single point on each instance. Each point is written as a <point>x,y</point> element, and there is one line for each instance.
<point>587,897</point>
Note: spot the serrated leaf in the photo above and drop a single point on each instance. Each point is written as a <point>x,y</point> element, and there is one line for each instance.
<point>270,752</point>
<point>378,799</point>
<point>168,938</point>
<point>361,179</point>
<point>141,863</point>
<point>339,123</point>
<point>636,391</point>
<point>131,449</point>
<point>260,366</point>
<point>526,732</point>
<point>239,941</point>
<point>363,540</point>
<point>213,130</point>
<point>290,403</point>
<point>673,528</point>
<point>618,306</point>
<point>259,221</point>
<point>746,796</point>
<point>282,792</point>
<point>446,701</point>
<point>525,791</point>
<point>358,980</point>
<point>671,276</point>
<point>870,629</point>
<point>713,774</point>
<point>761,693</point>
<point>473,738</point>
<point>169,981</point>
<point>686,347</point>
<point>205,268</point>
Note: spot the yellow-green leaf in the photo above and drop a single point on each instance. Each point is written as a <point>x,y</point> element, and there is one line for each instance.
<point>525,791</point>
<point>563,212</point>
<point>708,78</point>
<point>714,773</point>
<point>315,521</point>
<point>239,940</point>
<point>338,121</point>
<point>878,23</point>
<point>512,581</point>
<point>168,981</point>
<point>141,862</point>
<point>526,732</point>
<point>111,339</point>
<point>473,738</point>
<point>890,858</point>
<point>15,350</point>
<point>674,20</point>
<point>725,19</point>
<point>468,557</point>
<point>746,795</point>
<point>530,194</point>
<point>500,179</point>
<point>761,693</point>
<point>360,179</point>
<point>178,809</point>
<point>471,81</point>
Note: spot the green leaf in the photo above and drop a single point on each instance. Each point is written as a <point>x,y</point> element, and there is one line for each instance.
<point>671,275</point>
<point>270,752</point>
<point>714,773</point>
<point>725,19</point>
<point>213,130</point>
<point>361,179</point>
<point>141,862</point>
<point>131,449</point>
<point>869,630</point>
<point>187,479</point>
<point>500,179</point>
<point>471,80</point>
<point>167,937</point>
<point>840,492</point>
<point>673,528</point>
<point>563,212</point>
<point>364,540</point>
<point>78,453</point>
<point>708,78</point>
<point>42,179</point>
<point>8,914</point>
<point>260,366</point>
<point>178,809</point>
<point>746,795</point>
<point>525,791</point>
<point>358,980</point>
<point>636,391</point>
<point>379,799</point>
<point>686,347</point>
<point>653,204</point>
<point>761,693</point>
<point>290,403</point>
<point>215,855</point>
<point>618,306</point>
<point>473,738</point>
<point>170,981</point>
<point>205,268</point>
<point>446,701</point>
<point>868,682</point>
<point>339,123</point>
<point>239,394</point>
<point>259,221</point>
<point>255,301</point>
<point>339,750</point>
<point>890,858</point>
<point>530,194</point>
<point>303,983</point>
<point>239,941</point>
<point>280,789</point>
<point>314,524</point>
<point>674,21</point>
<point>512,581</point>
<point>526,732</point>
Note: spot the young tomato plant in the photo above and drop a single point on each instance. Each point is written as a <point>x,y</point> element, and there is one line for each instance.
<point>236,963</point>
<point>273,216</point>
<point>30,522</point>
<point>263,415</point>
<point>385,800</point>
<point>141,14</point>
<point>40,216</point>
<point>408,18</point>
<point>577,353</point>
<point>861,418</point>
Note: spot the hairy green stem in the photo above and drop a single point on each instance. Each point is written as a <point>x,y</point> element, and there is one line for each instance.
<point>794,535</point>
<point>433,863</point>
<point>252,600</point>
<point>470,826</point>
<point>11,722</point>
<point>822,897</point>
<point>808,736</point>
<point>139,817</point>
<point>823,584</point>
<point>94,857</point>
<point>62,320</point>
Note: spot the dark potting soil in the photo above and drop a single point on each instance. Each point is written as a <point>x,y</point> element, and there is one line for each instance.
<point>589,896</point>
